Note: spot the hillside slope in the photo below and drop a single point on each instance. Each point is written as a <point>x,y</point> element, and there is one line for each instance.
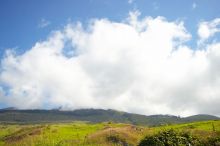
<point>108,134</point>
<point>94,116</point>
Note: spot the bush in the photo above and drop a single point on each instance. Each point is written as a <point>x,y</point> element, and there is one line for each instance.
<point>117,140</point>
<point>170,138</point>
<point>212,141</point>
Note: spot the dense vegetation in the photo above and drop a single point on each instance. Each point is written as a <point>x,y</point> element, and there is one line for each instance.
<point>175,138</point>
<point>205,133</point>
<point>94,116</point>
<point>170,138</point>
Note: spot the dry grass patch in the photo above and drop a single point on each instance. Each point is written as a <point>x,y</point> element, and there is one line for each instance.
<point>125,136</point>
<point>22,134</point>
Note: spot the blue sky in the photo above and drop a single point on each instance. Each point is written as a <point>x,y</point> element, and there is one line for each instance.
<point>20,20</point>
<point>141,56</point>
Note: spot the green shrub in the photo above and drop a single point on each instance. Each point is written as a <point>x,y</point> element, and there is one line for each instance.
<point>212,141</point>
<point>117,140</point>
<point>170,138</point>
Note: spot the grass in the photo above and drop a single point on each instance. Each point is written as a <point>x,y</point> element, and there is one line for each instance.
<point>82,133</point>
<point>206,125</point>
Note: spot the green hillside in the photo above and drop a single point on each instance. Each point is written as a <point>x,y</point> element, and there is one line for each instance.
<point>93,116</point>
<point>107,134</point>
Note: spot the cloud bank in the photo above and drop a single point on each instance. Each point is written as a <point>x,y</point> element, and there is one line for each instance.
<point>137,65</point>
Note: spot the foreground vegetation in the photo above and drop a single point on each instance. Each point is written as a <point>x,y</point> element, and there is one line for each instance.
<point>107,134</point>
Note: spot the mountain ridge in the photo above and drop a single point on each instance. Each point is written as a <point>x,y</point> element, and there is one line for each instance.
<point>13,115</point>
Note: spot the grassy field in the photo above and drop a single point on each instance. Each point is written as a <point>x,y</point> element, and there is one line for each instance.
<point>87,134</point>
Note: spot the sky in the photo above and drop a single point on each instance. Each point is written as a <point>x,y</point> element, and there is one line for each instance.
<point>140,56</point>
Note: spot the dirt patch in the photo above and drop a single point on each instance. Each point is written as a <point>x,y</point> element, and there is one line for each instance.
<point>54,131</point>
<point>35,132</point>
<point>23,133</point>
<point>11,139</point>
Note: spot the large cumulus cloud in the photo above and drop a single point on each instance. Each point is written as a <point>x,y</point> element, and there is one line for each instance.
<point>136,65</point>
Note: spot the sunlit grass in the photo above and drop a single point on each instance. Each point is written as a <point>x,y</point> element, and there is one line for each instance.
<point>206,125</point>
<point>87,134</point>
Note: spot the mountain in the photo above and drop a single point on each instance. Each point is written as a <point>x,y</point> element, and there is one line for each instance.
<point>11,115</point>
<point>8,108</point>
<point>200,117</point>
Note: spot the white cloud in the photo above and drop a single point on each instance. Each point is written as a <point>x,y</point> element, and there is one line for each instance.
<point>130,1</point>
<point>194,5</point>
<point>137,65</point>
<point>43,23</point>
<point>208,29</point>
